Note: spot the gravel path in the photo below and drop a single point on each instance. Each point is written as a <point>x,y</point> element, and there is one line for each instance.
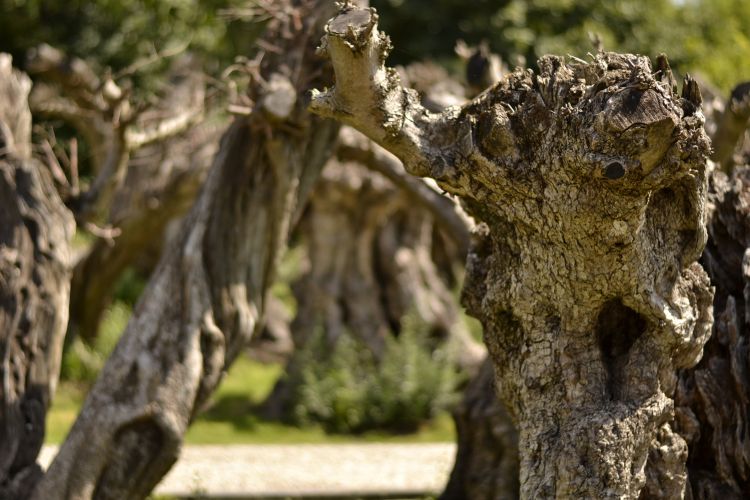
<point>306,470</point>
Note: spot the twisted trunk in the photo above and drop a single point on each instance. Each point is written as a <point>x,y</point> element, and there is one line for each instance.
<point>590,179</point>
<point>713,400</point>
<point>35,234</point>
<point>207,295</point>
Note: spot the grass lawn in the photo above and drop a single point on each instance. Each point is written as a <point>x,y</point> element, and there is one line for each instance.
<point>232,418</point>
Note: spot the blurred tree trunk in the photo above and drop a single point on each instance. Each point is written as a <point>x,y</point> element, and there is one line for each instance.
<point>590,179</point>
<point>35,234</point>
<point>713,400</point>
<point>486,466</point>
<point>207,295</point>
<point>370,246</point>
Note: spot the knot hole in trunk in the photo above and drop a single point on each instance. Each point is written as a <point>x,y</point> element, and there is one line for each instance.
<point>617,329</point>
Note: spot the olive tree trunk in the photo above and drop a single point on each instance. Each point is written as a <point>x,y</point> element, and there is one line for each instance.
<point>35,234</point>
<point>207,295</point>
<point>712,398</point>
<point>590,179</point>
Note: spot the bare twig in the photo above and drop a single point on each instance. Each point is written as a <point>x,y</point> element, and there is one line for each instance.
<point>74,184</point>
<point>54,165</point>
<point>152,59</point>
<point>107,233</point>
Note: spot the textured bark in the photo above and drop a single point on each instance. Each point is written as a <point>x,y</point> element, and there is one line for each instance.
<point>713,413</point>
<point>207,295</point>
<point>370,265</point>
<point>486,466</point>
<point>35,233</point>
<point>591,180</point>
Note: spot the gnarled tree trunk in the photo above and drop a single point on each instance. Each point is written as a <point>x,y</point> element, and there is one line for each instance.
<point>712,398</point>
<point>590,179</point>
<point>207,296</point>
<point>35,234</point>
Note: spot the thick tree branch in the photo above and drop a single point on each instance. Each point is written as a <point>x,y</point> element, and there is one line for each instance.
<point>370,97</point>
<point>136,138</point>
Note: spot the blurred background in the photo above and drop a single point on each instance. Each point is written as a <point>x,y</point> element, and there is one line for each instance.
<point>365,339</point>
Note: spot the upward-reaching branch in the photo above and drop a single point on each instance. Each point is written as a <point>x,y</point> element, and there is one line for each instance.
<point>370,97</point>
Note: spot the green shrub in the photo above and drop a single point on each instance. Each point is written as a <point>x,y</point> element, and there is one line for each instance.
<point>347,391</point>
<point>82,363</point>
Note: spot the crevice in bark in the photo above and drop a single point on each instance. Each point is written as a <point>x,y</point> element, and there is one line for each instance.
<point>618,327</point>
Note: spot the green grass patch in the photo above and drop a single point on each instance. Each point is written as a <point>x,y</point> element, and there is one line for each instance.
<point>232,417</point>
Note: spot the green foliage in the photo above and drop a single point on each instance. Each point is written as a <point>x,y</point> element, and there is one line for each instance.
<point>716,40</point>
<point>707,36</point>
<point>116,33</point>
<point>82,363</point>
<point>347,391</point>
<point>129,286</point>
<point>233,416</point>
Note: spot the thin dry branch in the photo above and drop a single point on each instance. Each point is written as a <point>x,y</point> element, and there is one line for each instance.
<point>111,123</point>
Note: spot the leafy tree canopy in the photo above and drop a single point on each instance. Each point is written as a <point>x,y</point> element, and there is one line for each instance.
<point>711,37</point>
